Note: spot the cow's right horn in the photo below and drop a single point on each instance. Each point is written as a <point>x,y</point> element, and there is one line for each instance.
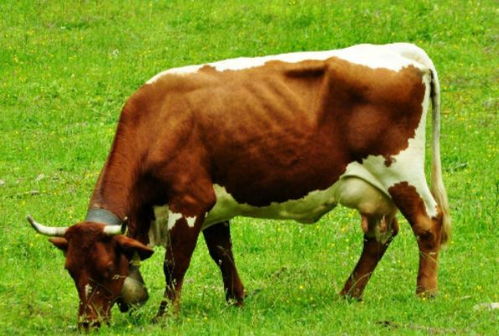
<point>52,231</point>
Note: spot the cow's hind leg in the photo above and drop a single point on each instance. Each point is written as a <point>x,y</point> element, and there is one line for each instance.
<point>428,232</point>
<point>219,244</point>
<point>378,233</point>
<point>379,226</point>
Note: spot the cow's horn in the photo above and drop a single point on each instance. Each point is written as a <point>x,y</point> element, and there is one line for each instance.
<point>52,231</point>
<point>113,230</point>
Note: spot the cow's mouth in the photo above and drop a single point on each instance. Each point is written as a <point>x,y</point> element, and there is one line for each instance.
<point>123,306</point>
<point>88,325</point>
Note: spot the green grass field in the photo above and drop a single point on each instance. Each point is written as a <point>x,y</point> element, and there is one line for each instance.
<point>66,69</point>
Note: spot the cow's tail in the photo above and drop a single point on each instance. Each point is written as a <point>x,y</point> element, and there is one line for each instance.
<point>417,54</point>
<point>437,183</point>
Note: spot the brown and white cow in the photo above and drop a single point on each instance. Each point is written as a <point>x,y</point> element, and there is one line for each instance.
<point>287,136</point>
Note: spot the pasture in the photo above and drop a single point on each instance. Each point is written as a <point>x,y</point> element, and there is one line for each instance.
<point>67,68</point>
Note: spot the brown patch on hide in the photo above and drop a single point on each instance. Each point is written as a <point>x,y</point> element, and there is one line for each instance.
<point>267,134</point>
<point>408,201</point>
<point>277,132</point>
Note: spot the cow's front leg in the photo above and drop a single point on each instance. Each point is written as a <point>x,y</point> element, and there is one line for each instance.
<point>378,233</point>
<point>182,240</point>
<point>219,244</point>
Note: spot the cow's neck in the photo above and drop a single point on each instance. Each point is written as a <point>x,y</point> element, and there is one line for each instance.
<point>117,198</point>
<point>113,190</point>
<point>123,189</point>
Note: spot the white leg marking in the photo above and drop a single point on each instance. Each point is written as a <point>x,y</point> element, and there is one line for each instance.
<point>172,219</point>
<point>190,221</point>
<point>165,221</point>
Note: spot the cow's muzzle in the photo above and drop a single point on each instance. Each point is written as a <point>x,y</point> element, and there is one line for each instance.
<point>88,325</point>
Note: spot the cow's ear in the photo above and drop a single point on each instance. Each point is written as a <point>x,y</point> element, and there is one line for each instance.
<point>130,246</point>
<point>60,243</point>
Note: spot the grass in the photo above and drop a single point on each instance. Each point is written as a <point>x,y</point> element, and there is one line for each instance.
<point>68,66</point>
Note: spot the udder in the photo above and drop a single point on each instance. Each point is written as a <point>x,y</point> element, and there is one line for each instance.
<point>375,206</point>
<point>358,194</point>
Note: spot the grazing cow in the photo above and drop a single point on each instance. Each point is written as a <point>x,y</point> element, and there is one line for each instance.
<point>287,136</point>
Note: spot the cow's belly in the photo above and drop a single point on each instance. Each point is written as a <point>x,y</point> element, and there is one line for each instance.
<point>307,209</point>
<point>356,189</point>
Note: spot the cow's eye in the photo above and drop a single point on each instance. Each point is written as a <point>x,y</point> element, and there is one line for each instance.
<point>108,271</point>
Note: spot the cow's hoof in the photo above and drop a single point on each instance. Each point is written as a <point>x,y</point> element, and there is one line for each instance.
<point>236,298</point>
<point>164,317</point>
<point>235,302</point>
<point>349,297</point>
<point>427,294</point>
<point>156,319</point>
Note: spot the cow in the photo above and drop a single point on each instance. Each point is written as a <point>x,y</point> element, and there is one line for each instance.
<point>287,136</point>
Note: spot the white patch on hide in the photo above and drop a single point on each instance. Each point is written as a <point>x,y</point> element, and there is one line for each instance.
<point>366,192</point>
<point>363,186</point>
<point>190,221</point>
<point>165,221</point>
<point>349,191</point>
<point>390,56</point>
<point>407,166</point>
<point>173,218</point>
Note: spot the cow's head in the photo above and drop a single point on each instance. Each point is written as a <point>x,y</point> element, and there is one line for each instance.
<point>98,258</point>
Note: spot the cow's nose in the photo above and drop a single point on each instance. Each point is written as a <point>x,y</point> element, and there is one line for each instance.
<point>84,325</point>
<point>123,306</point>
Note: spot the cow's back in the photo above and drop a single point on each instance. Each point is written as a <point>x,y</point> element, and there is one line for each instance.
<point>276,128</point>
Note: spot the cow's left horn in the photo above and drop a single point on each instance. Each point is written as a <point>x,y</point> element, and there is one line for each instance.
<point>113,230</point>
<point>52,231</point>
